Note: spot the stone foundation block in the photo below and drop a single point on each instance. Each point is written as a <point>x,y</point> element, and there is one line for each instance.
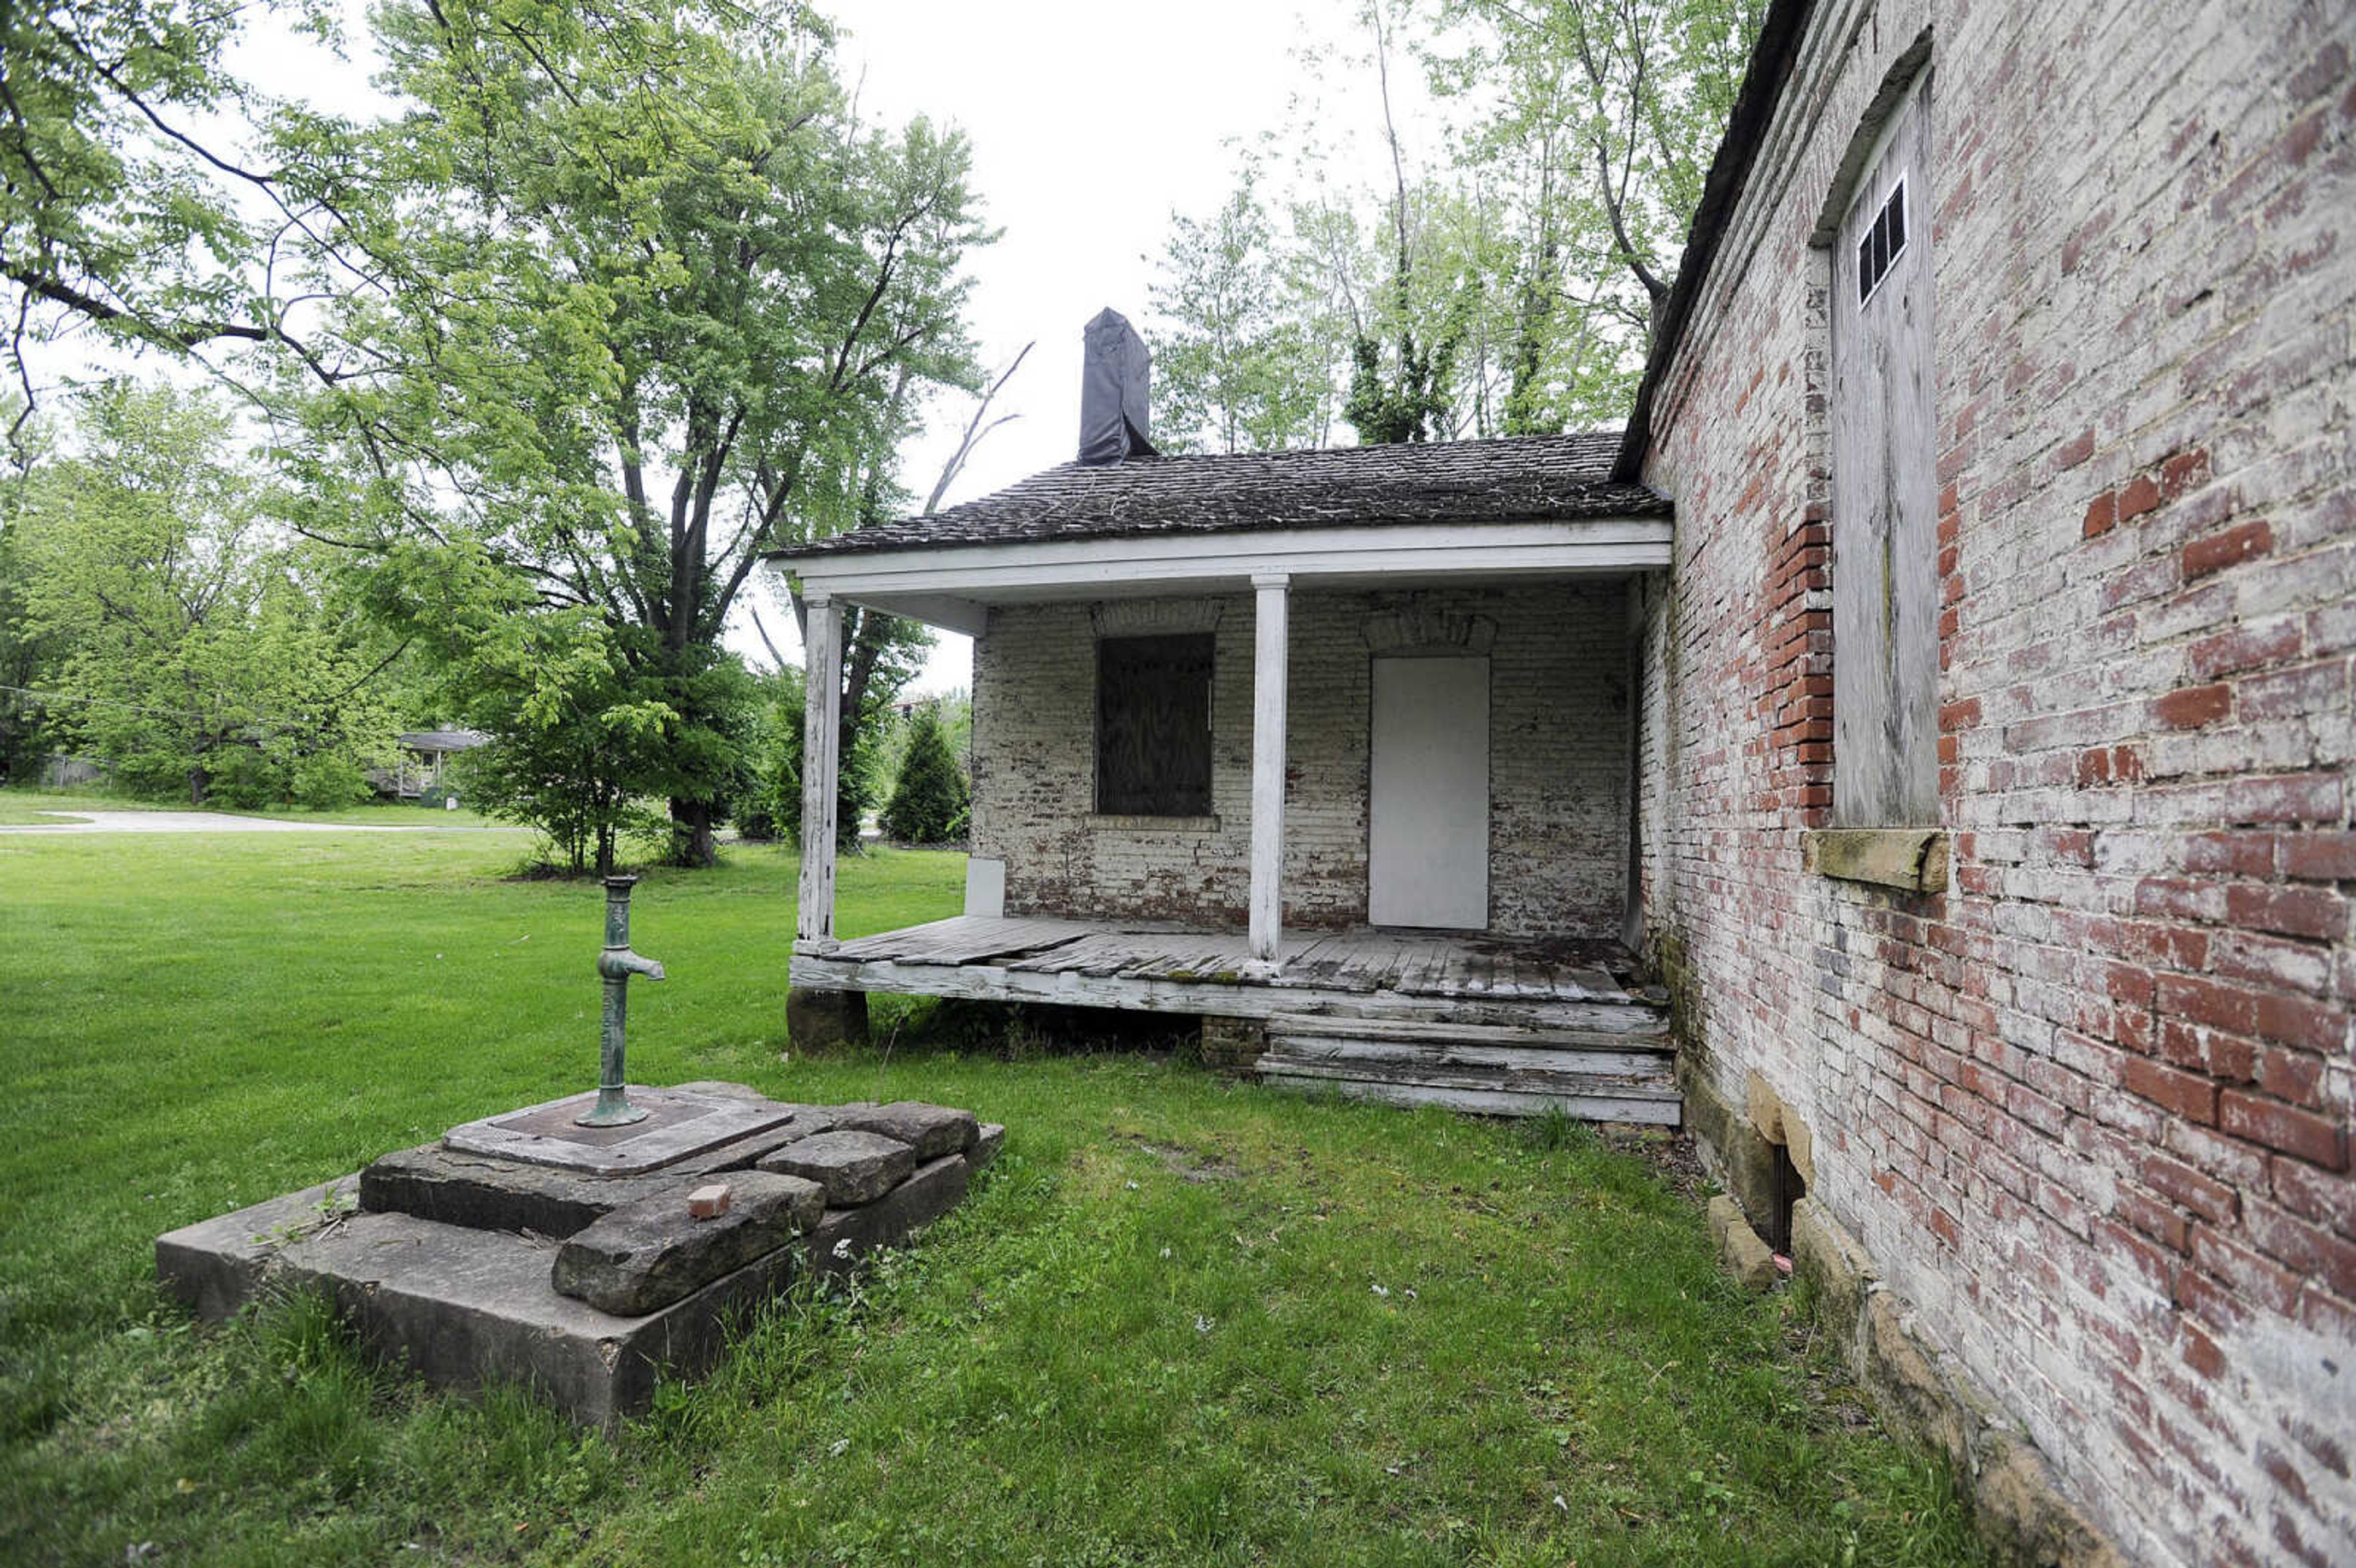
<point>931,1130</point>
<point>851,1166</point>
<point>643,1257</point>
<point>816,1019</point>
<point>1739,1250</point>
<point>988,1141</point>
<point>215,1266</point>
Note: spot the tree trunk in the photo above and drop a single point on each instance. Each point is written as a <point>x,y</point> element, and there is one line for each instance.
<point>691,827</point>
<point>198,782</point>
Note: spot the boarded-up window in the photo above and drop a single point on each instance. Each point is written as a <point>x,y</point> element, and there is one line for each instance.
<point>1153,726</point>
<point>1885,490</point>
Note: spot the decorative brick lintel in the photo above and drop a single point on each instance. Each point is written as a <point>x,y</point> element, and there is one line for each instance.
<point>1114,822</point>
<point>1913,858</point>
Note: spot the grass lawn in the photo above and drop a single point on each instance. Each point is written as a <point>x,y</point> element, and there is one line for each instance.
<point>1181,1321</point>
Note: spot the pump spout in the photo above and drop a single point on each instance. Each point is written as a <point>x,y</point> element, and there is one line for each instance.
<point>620,962</point>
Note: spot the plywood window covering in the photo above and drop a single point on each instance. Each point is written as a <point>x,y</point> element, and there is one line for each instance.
<point>1153,726</point>
<point>1885,490</point>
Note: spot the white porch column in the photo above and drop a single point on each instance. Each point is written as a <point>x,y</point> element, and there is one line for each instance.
<point>821,731</point>
<point>1270,652</point>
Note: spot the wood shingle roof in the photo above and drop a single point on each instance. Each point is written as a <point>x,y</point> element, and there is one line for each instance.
<point>1517,479</point>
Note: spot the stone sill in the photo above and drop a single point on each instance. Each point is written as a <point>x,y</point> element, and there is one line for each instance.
<point>1912,858</point>
<point>1151,824</point>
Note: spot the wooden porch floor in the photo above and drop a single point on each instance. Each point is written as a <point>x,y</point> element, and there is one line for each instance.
<point>1494,1026</point>
<point>1092,961</point>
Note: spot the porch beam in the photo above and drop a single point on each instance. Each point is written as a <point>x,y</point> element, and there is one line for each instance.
<point>821,733</point>
<point>1270,651</point>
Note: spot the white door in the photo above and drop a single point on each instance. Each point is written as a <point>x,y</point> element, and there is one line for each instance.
<point>1428,829</point>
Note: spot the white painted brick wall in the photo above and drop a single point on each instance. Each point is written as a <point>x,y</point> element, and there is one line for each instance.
<point>1558,783</point>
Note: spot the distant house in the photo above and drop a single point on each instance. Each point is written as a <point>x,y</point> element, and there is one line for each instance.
<point>424,757</point>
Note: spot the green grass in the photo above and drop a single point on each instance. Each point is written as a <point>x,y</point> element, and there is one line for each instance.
<point>1181,1321</point>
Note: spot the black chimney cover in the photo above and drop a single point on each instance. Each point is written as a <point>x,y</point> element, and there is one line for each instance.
<point>1114,372</point>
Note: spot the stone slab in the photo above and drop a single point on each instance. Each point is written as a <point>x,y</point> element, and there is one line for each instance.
<point>1739,1250</point>
<point>680,1124</point>
<point>987,1143</point>
<point>853,1167</point>
<point>215,1266</point>
<point>645,1255</point>
<point>931,1130</point>
<point>846,1235</point>
<point>435,1182</point>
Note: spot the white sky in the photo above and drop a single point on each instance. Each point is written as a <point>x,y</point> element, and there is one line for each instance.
<point>1090,124</point>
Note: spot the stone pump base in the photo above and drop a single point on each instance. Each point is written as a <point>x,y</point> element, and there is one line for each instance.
<point>585,1262</point>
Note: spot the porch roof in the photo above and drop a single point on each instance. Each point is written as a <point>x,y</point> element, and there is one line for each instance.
<point>1519,479</point>
<point>1461,511</point>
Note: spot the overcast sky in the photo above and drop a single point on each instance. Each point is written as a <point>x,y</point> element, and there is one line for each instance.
<point>1090,124</point>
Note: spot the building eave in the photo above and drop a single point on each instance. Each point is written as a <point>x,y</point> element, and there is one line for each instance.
<point>953,588</point>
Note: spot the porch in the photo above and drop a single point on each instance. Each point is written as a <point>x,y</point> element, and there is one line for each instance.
<point>1499,1026</point>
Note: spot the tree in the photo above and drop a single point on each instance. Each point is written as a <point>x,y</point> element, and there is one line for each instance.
<point>120,208</point>
<point>931,798</point>
<point>197,643</point>
<point>1510,286</point>
<point>1241,364</point>
<point>654,301</point>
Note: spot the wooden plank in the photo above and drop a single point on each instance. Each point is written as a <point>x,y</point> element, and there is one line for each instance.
<point>1650,1065</point>
<point>1885,492</point>
<point>821,731</point>
<point>1644,1032</point>
<point>1217,994</point>
<point>1490,1102</point>
<point>908,940</point>
<point>1440,1075</point>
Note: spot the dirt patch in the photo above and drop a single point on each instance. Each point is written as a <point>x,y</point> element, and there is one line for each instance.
<point>1672,1157</point>
<point>1198,1165</point>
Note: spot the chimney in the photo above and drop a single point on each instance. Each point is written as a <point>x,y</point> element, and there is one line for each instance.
<point>1114,371</point>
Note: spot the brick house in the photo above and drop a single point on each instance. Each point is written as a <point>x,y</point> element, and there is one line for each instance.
<point>1337,744</point>
<point>1987,786</point>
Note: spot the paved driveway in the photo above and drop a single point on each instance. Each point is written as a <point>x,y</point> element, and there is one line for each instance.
<point>193,822</point>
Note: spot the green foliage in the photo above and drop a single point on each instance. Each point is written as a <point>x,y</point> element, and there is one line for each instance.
<point>1242,359</point>
<point>655,299</point>
<point>193,644</point>
<point>931,799</point>
<point>114,215</point>
<point>1507,289</point>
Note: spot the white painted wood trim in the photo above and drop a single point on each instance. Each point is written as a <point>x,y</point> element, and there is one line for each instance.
<point>1044,568</point>
<point>821,713</point>
<point>1271,650</point>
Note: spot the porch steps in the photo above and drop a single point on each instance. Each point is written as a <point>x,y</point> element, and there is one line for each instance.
<point>1617,1074</point>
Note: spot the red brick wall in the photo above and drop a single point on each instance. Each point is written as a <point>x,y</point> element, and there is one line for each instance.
<point>2090,1109</point>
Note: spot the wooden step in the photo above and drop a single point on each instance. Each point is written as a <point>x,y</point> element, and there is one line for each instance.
<point>1485,1067</point>
<point>1647,1034</point>
<point>1657,1110</point>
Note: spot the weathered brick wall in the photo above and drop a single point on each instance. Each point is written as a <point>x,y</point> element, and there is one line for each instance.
<point>1559,725</point>
<point>2089,1109</point>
